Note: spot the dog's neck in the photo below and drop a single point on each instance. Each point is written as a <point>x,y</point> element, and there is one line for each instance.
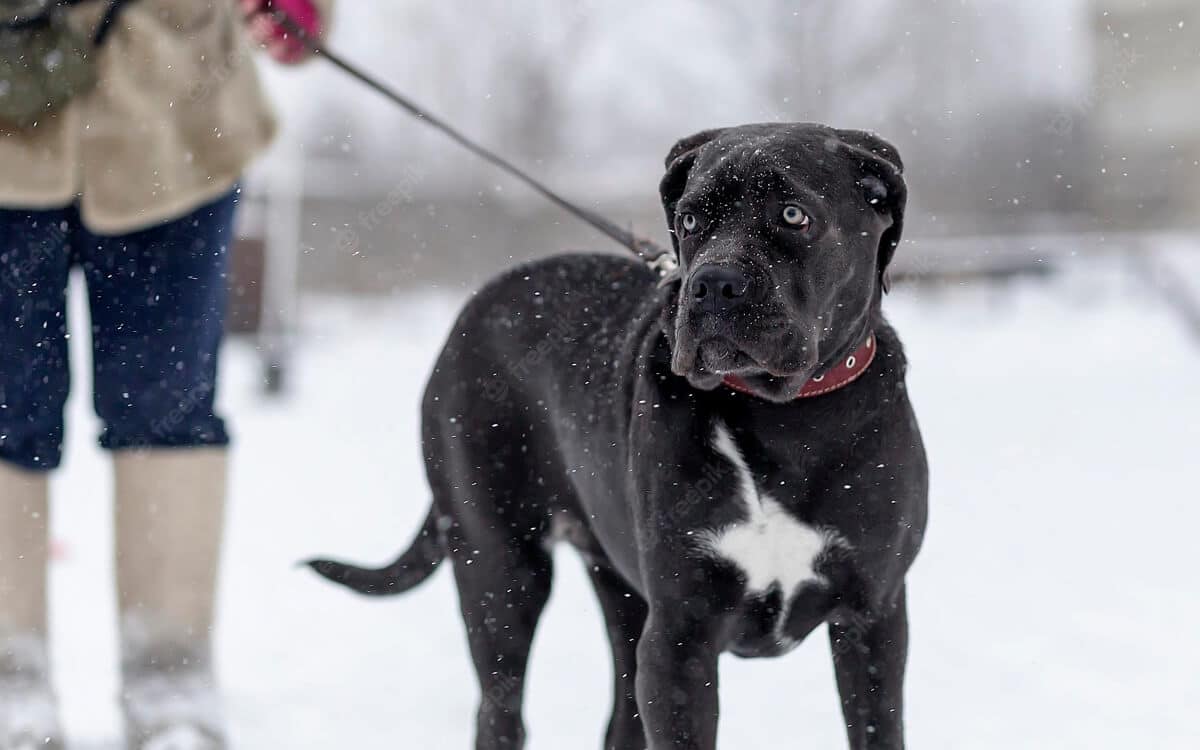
<point>839,376</point>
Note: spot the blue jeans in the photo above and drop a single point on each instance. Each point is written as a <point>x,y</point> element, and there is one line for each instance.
<point>157,300</point>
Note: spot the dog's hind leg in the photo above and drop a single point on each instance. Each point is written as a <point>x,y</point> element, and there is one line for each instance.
<point>624,616</point>
<point>503,585</point>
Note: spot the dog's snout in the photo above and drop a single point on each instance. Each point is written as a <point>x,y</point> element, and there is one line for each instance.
<point>719,288</point>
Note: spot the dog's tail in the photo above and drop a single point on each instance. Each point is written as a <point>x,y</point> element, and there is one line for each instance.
<point>409,570</point>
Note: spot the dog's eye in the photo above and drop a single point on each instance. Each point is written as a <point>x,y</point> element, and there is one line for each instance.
<point>793,216</point>
<point>689,222</point>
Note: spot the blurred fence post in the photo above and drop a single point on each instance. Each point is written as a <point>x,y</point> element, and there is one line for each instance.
<point>283,214</point>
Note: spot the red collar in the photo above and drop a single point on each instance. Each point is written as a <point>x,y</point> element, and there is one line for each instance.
<point>843,374</point>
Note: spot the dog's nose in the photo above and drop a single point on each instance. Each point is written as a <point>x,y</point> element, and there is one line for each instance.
<point>718,288</point>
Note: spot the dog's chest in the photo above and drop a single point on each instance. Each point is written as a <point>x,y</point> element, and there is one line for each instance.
<point>770,546</point>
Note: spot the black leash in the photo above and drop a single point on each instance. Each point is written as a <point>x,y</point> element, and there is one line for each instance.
<point>659,259</point>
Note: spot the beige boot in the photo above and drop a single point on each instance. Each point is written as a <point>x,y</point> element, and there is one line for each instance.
<point>170,507</point>
<point>28,710</point>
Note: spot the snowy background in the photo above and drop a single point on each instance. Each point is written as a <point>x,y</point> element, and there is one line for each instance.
<point>1054,367</point>
<point>1011,115</point>
<point>1054,605</point>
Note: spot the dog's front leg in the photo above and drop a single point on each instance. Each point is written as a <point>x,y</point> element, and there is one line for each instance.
<point>869,654</point>
<point>677,682</point>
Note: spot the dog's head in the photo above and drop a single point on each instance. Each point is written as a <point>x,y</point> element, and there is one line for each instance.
<point>784,233</point>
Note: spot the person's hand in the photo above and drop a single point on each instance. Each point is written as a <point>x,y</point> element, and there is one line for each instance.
<point>280,43</point>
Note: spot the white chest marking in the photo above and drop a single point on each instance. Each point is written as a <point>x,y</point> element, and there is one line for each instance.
<point>770,545</point>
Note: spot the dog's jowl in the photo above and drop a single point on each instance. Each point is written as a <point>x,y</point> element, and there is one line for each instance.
<point>732,450</point>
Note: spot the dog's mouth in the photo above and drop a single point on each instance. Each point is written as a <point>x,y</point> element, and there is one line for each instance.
<point>708,358</point>
<point>722,356</point>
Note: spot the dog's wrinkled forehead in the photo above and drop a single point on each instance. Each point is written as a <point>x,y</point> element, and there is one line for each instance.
<point>749,162</point>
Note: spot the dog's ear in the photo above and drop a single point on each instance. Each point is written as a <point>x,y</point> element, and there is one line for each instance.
<point>680,159</point>
<point>883,184</point>
<point>691,143</point>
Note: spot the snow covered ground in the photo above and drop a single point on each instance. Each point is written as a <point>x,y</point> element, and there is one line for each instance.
<point>1054,606</point>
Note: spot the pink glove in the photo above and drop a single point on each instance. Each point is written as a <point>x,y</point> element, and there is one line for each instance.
<point>278,41</point>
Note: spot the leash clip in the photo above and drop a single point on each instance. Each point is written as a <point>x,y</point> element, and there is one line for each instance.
<point>658,259</point>
<point>664,264</point>
<point>667,268</point>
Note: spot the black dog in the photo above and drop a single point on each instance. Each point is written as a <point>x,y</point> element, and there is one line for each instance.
<point>733,451</point>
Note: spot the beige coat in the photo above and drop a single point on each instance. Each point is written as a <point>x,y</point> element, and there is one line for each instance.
<point>175,119</point>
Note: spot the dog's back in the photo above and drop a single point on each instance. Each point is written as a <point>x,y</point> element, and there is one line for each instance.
<point>541,327</point>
